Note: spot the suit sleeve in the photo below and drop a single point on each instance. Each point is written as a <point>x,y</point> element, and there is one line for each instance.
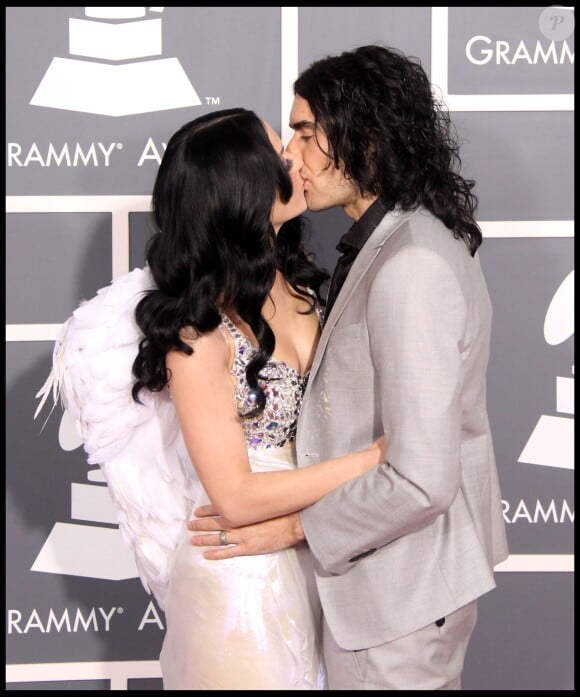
<point>416,318</point>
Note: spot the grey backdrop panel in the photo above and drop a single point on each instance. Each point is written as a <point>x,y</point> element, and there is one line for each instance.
<point>499,44</point>
<point>522,386</point>
<point>523,163</point>
<point>71,261</point>
<point>63,243</point>
<point>224,68</point>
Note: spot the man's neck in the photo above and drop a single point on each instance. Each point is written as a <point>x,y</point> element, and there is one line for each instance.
<point>356,209</point>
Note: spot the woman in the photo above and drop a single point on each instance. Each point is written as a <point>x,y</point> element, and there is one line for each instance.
<point>236,359</point>
<point>228,328</point>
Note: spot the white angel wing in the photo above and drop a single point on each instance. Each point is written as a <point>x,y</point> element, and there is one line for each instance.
<point>139,448</point>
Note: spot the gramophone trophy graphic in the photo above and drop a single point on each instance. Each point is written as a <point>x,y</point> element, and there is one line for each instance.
<point>86,548</point>
<point>113,73</point>
<point>551,443</point>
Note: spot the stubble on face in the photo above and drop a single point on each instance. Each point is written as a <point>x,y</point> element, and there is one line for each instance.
<point>325,184</point>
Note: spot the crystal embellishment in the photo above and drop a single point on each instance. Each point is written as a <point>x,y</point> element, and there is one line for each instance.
<point>284,389</point>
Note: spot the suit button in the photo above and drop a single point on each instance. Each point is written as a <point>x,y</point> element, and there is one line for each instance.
<point>440,622</point>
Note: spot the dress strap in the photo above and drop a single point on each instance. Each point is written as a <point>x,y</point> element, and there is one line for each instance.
<point>231,327</point>
<point>317,307</point>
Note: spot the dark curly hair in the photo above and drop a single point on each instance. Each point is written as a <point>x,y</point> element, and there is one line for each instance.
<point>214,248</point>
<point>389,133</point>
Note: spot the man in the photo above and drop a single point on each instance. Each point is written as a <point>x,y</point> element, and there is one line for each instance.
<point>402,553</point>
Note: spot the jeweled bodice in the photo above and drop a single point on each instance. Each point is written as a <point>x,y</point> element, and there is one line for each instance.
<point>284,389</point>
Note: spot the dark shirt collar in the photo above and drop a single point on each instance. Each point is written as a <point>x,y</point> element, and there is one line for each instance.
<point>361,230</point>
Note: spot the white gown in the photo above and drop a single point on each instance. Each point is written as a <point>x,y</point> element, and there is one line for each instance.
<point>250,622</point>
<point>243,623</point>
<point>246,623</point>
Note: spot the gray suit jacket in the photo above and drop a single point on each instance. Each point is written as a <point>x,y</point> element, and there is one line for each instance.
<point>404,352</point>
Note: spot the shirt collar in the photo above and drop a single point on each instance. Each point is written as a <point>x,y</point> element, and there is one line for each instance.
<point>361,229</point>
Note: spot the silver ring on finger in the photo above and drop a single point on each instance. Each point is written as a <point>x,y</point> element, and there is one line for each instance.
<point>222,537</point>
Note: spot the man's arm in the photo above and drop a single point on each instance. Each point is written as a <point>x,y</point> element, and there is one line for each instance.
<point>259,538</point>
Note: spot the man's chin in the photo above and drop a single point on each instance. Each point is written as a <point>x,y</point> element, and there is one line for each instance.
<point>312,206</point>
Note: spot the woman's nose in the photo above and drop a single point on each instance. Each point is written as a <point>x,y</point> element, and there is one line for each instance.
<point>294,156</point>
<point>292,147</point>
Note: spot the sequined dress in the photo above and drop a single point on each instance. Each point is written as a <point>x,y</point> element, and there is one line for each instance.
<point>248,622</point>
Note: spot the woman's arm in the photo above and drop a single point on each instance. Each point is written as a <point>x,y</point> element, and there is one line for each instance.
<point>203,393</point>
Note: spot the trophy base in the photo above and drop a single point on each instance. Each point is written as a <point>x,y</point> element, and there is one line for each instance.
<point>551,443</point>
<point>85,550</point>
<point>115,90</point>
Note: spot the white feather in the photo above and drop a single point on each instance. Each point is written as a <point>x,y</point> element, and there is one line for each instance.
<point>139,447</point>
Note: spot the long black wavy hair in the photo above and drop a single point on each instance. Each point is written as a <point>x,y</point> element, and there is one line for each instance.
<point>389,133</point>
<point>214,248</point>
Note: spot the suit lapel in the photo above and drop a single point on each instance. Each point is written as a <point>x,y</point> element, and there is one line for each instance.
<point>370,249</point>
